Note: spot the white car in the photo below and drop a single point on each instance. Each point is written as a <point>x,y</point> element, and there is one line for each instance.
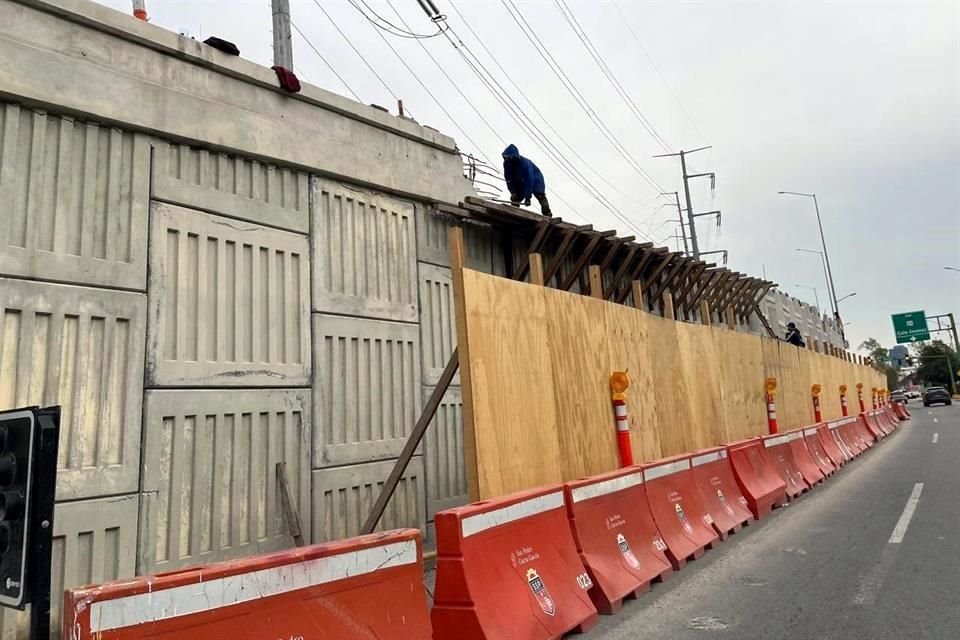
<point>913,394</point>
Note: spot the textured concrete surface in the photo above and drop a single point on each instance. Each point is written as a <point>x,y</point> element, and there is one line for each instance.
<point>824,568</point>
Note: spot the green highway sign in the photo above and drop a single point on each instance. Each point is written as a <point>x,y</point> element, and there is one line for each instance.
<point>910,327</point>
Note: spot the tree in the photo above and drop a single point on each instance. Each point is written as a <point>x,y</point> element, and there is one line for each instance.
<point>881,361</point>
<point>934,358</point>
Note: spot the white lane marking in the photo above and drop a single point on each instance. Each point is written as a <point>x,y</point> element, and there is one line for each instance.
<point>870,584</point>
<point>935,421</point>
<point>936,437</point>
<point>929,413</point>
<point>901,529</point>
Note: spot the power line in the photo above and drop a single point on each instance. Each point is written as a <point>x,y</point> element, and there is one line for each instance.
<point>329,66</point>
<point>356,51</point>
<point>578,96</point>
<point>595,54</point>
<point>517,89</point>
<point>391,28</point>
<point>657,70</point>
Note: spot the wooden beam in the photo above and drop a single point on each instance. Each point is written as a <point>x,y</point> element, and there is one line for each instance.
<point>658,270</point>
<point>621,270</point>
<point>731,319</point>
<point>721,288</point>
<point>536,269</point>
<point>543,232</point>
<point>723,296</point>
<point>584,258</point>
<point>565,245</point>
<point>668,305</point>
<point>638,300</point>
<point>683,264</point>
<point>638,269</point>
<point>705,313</point>
<point>816,345</point>
<point>713,279</point>
<point>686,293</point>
<point>596,282</point>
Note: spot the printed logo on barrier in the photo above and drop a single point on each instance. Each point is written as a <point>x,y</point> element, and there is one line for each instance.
<point>723,503</point>
<point>742,500</point>
<point>683,518</point>
<point>659,544</point>
<point>627,552</point>
<point>540,592</point>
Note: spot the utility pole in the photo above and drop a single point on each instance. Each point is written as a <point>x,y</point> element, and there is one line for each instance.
<point>691,216</point>
<point>683,227</point>
<point>282,38</point>
<point>951,329</point>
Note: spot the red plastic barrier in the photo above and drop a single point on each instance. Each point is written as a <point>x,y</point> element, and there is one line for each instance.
<point>675,502</point>
<point>802,457</point>
<point>848,431</point>
<point>617,538</point>
<point>719,491</point>
<point>357,588</point>
<point>833,430</point>
<point>863,432</point>
<point>892,420</point>
<point>870,420</point>
<point>763,488</point>
<point>902,410</point>
<point>831,444</point>
<point>780,455</point>
<point>508,569</point>
<point>817,452</point>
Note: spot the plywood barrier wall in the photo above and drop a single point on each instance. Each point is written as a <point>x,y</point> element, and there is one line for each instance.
<point>535,368</point>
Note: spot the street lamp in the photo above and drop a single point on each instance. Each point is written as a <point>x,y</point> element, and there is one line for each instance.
<point>849,295</point>
<point>951,269</point>
<point>826,256</point>
<point>826,276</point>
<point>816,298</point>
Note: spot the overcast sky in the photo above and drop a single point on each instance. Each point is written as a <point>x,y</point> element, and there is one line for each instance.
<point>858,102</point>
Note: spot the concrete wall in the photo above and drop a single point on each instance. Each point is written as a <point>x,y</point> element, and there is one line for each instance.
<point>212,276</point>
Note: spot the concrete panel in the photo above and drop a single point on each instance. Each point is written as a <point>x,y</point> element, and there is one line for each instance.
<point>366,388</point>
<point>364,253</point>
<point>73,197</point>
<point>209,474</point>
<point>102,63</point>
<point>228,302</point>
<point>94,541</point>
<point>81,348</point>
<point>438,331</point>
<point>343,497</point>
<point>443,453</point>
<point>231,186</point>
<point>432,247</point>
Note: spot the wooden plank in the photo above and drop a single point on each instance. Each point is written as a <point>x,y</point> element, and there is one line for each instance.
<point>621,270</point>
<point>688,284</point>
<point>536,269</point>
<point>596,282</point>
<point>638,299</point>
<point>584,258</point>
<point>731,320</point>
<point>668,305</point>
<point>637,270</point>
<point>648,281</point>
<point>539,239</point>
<point>707,285</point>
<point>705,313</point>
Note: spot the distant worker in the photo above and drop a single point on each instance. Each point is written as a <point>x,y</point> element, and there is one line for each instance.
<point>793,335</point>
<point>524,179</point>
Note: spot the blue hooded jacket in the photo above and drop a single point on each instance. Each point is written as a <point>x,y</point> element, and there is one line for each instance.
<point>523,177</point>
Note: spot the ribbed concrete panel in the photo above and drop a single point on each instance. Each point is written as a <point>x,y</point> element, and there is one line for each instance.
<point>229,302</point>
<point>438,332</point>
<point>94,541</point>
<point>366,388</point>
<point>81,348</point>
<point>343,496</point>
<point>364,253</point>
<point>232,186</point>
<point>73,200</point>
<point>443,452</point>
<point>432,246</point>
<point>209,474</point>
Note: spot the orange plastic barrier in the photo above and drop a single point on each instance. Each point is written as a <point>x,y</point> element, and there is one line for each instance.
<point>900,408</point>
<point>802,458</point>
<point>617,538</point>
<point>371,586</point>
<point>817,452</point>
<point>508,569</point>
<point>833,429</point>
<point>675,502</point>
<point>763,488</point>
<point>856,436</point>
<point>890,417</point>
<point>870,420</point>
<point>831,444</point>
<point>863,432</point>
<point>781,457</point>
<point>721,496</point>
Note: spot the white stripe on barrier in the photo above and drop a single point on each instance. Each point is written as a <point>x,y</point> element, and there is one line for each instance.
<point>809,432</point>
<point>774,442</point>
<point>665,470</point>
<point>793,436</point>
<point>620,410</point>
<point>208,595</point>
<point>590,491</point>
<point>472,525</point>
<point>707,458</point>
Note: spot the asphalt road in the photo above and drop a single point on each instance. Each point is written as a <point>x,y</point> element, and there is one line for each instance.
<point>828,566</point>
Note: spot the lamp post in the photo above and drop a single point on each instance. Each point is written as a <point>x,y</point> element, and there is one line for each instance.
<point>816,298</point>
<point>826,254</point>
<point>849,295</point>
<point>826,277</point>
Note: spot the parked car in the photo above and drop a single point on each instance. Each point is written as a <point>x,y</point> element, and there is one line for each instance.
<point>898,396</point>
<point>913,394</point>
<point>936,395</point>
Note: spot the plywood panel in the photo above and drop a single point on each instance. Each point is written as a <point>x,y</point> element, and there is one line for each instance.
<point>512,405</point>
<point>535,354</point>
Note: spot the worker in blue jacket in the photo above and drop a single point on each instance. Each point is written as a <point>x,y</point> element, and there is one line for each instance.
<point>524,179</point>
